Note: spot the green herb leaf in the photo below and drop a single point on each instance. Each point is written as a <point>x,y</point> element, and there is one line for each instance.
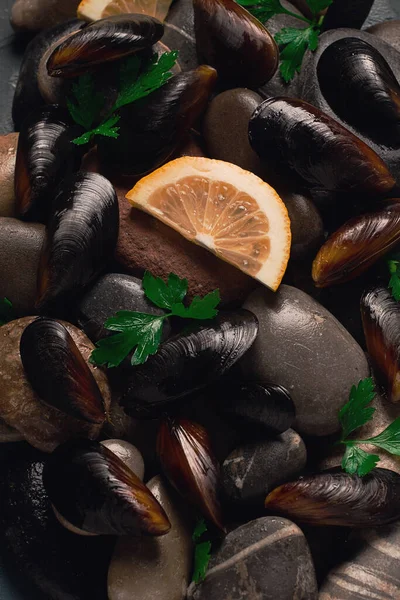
<point>389,439</point>
<point>317,6</point>
<point>394,283</point>
<point>111,351</point>
<point>200,528</point>
<point>266,9</point>
<point>357,411</point>
<point>296,42</point>
<point>356,461</point>
<point>200,308</point>
<point>86,104</point>
<point>201,559</point>
<point>6,311</point>
<point>106,128</point>
<point>162,294</point>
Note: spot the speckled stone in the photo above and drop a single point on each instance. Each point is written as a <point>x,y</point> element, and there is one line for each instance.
<point>266,559</point>
<point>372,571</point>
<point>252,471</point>
<point>388,31</point>
<point>150,568</point>
<point>34,15</point>
<point>129,454</point>
<point>226,125</point>
<point>8,150</point>
<point>302,347</point>
<point>20,246</point>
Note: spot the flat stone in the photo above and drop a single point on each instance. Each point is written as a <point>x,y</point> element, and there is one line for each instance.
<point>302,347</point>
<point>152,568</point>
<point>226,125</point>
<point>8,150</point>
<point>147,244</point>
<point>252,471</point>
<point>20,246</point>
<point>128,453</point>
<point>266,559</point>
<point>388,31</point>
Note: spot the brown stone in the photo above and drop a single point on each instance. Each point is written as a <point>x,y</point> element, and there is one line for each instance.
<point>42,426</point>
<point>34,15</point>
<point>8,150</point>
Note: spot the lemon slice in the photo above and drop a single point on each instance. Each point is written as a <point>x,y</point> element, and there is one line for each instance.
<point>219,206</point>
<point>92,10</point>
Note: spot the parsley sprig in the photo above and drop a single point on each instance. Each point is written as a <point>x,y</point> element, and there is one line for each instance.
<point>356,413</point>
<point>394,270</point>
<point>143,331</point>
<point>136,81</point>
<point>202,551</point>
<point>6,311</point>
<point>293,42</point>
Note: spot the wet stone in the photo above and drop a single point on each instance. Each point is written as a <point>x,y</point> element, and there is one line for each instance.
<point>305,223</point>
<point>8,150</point>
<point>129,454</point>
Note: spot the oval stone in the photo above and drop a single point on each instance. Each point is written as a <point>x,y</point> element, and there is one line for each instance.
<point>8,150</point>
<point>129,454</point>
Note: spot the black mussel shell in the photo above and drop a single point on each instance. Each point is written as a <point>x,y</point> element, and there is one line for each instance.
<point>337,498</point>
<point>94,491</point>
<point>58,372</point>
<point>230,39</point>
<point>345,13</point>
<point>264,407</point>
<point>381,322</point>
<point>27,95</point>
<point>189,362</point>
<point>81,237</point>
<point>186,457</point>
<point>45,155</point>
<point>361,89</point>
<point>152,129</point>
<point>356,246</point>
<point>104,41</point>
<point>296,137</point>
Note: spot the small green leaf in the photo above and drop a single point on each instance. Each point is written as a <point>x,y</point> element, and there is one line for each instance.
<point>200,528</point>
<point>6,311</point>
<point>111,351</point>
<point>356,461</point>
<point>317,6</point>
<point>394,283</point>
<point>200,308</point>
<point>357,411</point>
<point>389,439</point>
<point>162,294</point>
<point>86,104</point>
<point>296,42</point>
<point>201,559</point>
<point>150,339</point>
<point>264,9</point>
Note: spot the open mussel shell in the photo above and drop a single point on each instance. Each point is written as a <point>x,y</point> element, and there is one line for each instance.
<point>58,373</point>
<point>381,322</point>
<point>357,245</point>
<point>152,129</point>
<point>337,498</point>
<point>264,407</point>
<point>230,39</point>
<point>336,160</point>
<point>81,237</point>
<point>361,89</point>
<point>342,13</point>
<point>189,362</point>
<point>94,491</point>
<point>186,457</point>
<point>104,41</point>
<point>45,155</point>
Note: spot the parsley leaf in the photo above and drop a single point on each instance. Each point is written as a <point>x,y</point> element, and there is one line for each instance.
<point>388,439</point>
<point>87,104</point>
<point>266,9</point>
<point>317,6</point>
<point>200,528</point>
<point>201,559</point>
<point>142,332</point>
<point>394,283</point>
<point>356,412</point>
<point>6,311</point>
<point>356,461</point>
<point>107,129</point>
<point>296,42</point>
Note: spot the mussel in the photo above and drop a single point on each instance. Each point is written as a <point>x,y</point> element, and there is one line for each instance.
<point>357,245</point>
<point>234,42</point>
<point>81,237</point>
<point>335,159</point>
<point>93,491</point>
<point>342,13</point>
<point>103,41</point>
<point>189,362</point>
<point>337,498</point>
<point>45,155</point>
<point>361,89</point>
<point>186,457</point>
<point>152,128</point>
<point>381,322</point>
<point>58,372</point>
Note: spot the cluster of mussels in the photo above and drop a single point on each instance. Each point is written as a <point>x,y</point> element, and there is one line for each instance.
<point>233,420</point>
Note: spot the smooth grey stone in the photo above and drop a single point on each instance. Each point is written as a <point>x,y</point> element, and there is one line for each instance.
<point>252,471</point>
<point>129,454</point>
<point>111,293</point>
<point>266,559</point>
<point>302,347</point>
<point>383,10</point>
<point>371,572</point>
<point>226,128</point>
<point>179,33</point>
<point>305,223</point>
<point>20,246</point>
<point>154,568</point>
<point>388,31</point>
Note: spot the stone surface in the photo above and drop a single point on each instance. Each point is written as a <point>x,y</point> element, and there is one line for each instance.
<point>250,472</point>
<point>34,15</point>
<point>266,559</point>
<point>372,570</point>
<point>305,223</point>
<point>302,347</point>
<point>20,246</point>
<point>8,149</point>
<point>154,568</point>
<point>225,128</point>
<point>388,31</point>
<point>147,244</point>
<point>42,426</point>
<point>128,453</point>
